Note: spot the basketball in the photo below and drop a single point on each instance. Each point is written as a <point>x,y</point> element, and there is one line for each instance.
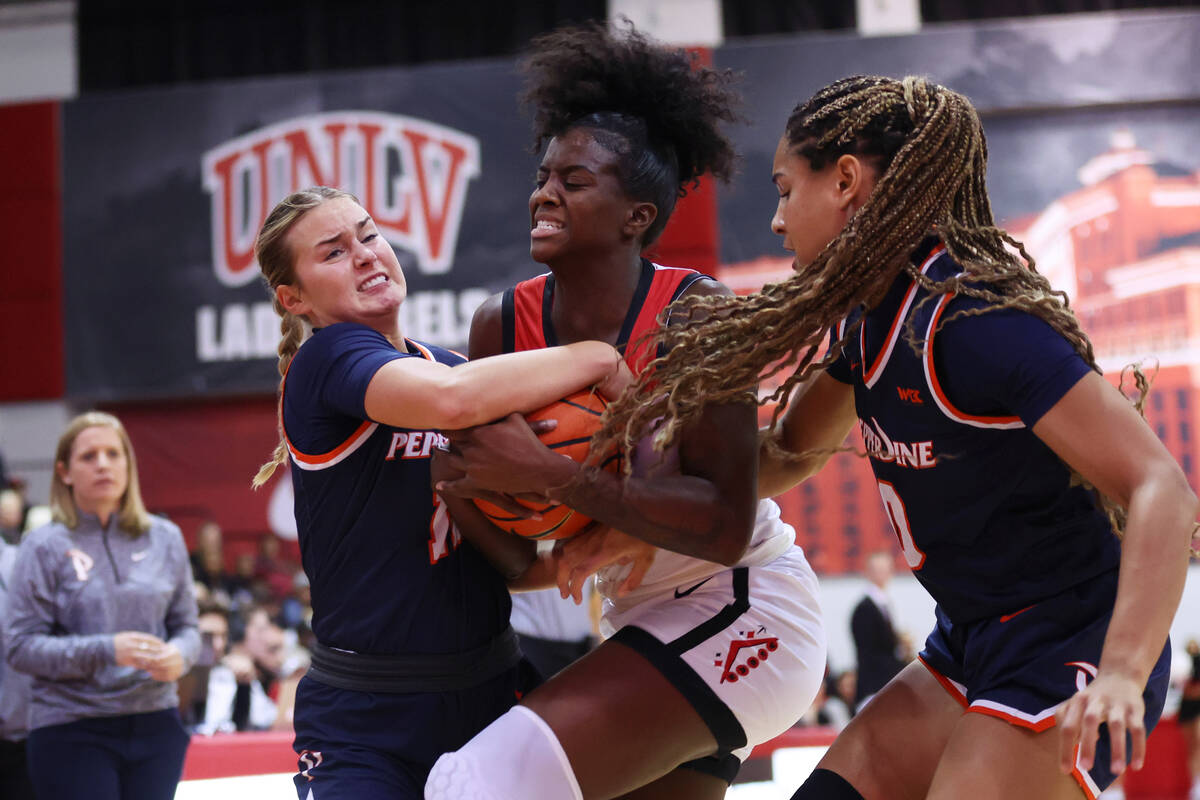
<point>578,418</point>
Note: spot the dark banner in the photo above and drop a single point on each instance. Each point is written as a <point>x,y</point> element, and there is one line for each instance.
<point>166,189</point>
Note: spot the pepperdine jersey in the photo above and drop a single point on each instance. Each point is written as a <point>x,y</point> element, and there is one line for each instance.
<point>388,573</point>
<point>527,325</point>
<point>985,512</point>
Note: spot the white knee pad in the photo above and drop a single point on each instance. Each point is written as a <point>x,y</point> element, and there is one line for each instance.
<point>517,757</point>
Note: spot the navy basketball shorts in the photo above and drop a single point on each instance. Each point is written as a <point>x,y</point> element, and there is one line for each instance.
<point>353,745</point>
<point>1020,666</point>
<point>745,646</point>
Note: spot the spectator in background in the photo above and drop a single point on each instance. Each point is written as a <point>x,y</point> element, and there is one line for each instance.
<point>103,615</point>
<point>213,625</point>
<point>12,515</point>
<point>14,703</point>
<point>240,688</point>
<point>295,611</point>
<point>273,570</point>
<point>208,560</point>
<point>1189,717</point>
<point>844,688</point>
<point>243,587</point>
<point>878,647</point>
<point>828,708</point>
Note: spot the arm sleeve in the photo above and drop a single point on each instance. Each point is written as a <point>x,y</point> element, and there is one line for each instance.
<point>32,647</point>
<point>1005,362</point>
<point>336,366</point>
<point>181,613</point>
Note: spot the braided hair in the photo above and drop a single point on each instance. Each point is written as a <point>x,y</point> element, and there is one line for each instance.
<point>655,108</point>
<point>277,264</point>
<point>929,149</point>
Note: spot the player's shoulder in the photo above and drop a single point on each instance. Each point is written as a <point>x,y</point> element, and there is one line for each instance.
<point>328,343</point>
<point>705,286</point>
<point>490,311</point>
<point>690,282</point>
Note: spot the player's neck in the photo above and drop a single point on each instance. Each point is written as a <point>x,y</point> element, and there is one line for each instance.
<point>591,298</point>
<point>390,328</point>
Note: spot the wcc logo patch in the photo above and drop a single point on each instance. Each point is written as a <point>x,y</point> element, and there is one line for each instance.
<point>745,654</point>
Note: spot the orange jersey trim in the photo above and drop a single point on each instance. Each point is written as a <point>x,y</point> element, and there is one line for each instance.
<point>308,461</point>
<point>952,688</point>
<point>1034,722</point>
<point>939,396</point>
<point>871,375</point>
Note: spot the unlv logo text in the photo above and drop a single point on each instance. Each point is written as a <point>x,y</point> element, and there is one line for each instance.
<point>411,175</point>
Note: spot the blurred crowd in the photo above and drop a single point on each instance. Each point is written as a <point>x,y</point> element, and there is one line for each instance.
<point>255,632</point>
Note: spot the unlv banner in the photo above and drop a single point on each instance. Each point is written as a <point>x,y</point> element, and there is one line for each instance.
<point>165,191</point>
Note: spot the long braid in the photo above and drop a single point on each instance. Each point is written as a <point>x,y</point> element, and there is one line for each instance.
<point>292,330</point>
<point>929,148</point>
<point>275,261</point>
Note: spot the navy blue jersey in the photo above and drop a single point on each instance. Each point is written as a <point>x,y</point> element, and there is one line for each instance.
<point>984,511</point>
<point>389,574</point>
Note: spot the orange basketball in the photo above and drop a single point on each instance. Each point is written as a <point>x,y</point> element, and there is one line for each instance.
<point>578,418</point>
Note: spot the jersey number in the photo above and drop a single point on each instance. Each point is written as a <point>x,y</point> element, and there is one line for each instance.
<point>913,555</point>
<point>443,533</point>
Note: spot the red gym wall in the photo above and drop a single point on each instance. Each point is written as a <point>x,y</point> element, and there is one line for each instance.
<point>31,332</point>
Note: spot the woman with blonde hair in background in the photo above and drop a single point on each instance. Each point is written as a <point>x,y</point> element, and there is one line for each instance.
<point>103,616</point>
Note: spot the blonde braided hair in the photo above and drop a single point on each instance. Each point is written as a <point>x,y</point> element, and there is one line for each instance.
<point>276,262</point>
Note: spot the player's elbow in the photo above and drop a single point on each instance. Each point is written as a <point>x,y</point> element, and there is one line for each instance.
<point>455,406</point>
<point>1172,485</point>
<point>731,542</point>
<point>1191,503</point>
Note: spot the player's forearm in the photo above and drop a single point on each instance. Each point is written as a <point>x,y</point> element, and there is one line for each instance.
<point>542,573</point>
<point>683,513</point>
<point>511,555</point>
<point>777,473</point>
<point>1154,558</point>
<point>491,388</point>
<point>818,418</point>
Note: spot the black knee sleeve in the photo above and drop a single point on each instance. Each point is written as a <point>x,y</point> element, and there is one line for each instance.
<point>826,785</point>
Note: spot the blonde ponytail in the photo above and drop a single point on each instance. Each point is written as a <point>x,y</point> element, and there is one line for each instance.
<point>293,330</point>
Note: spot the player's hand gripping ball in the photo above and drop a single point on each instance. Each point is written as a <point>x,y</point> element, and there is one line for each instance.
<point>578,418</point>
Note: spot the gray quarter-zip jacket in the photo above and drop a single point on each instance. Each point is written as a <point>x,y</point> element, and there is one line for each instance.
<point>14,686</point>
<point>71,590</point>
